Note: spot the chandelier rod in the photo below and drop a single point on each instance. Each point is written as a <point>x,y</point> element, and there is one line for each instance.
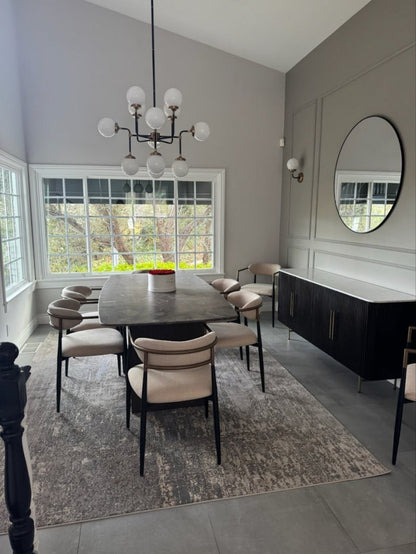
<point>153,57</point>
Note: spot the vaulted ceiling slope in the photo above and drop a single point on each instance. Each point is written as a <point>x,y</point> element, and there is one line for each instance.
<point>274,33</point>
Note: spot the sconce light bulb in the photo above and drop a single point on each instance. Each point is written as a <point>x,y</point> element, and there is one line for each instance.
<point>292,164</point>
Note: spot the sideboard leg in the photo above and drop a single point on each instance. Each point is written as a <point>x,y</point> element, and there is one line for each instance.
<point>359,384</point>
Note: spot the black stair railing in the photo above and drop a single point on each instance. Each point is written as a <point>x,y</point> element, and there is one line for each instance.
<point>17,487</point>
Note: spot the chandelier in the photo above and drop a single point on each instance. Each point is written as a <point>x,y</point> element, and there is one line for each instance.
<point>155,118</point>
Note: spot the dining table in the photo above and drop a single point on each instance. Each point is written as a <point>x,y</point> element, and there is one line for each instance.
<point>126,303</point>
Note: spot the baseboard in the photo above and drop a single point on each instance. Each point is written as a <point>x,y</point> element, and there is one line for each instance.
<point>25,334</point>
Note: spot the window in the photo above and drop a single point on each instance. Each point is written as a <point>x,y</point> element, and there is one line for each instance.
<point>13,237</point>
<point>98,221</point>
<point>365,199</point>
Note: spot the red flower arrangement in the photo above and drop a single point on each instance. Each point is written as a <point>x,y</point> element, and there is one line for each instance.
<point>161,271</point>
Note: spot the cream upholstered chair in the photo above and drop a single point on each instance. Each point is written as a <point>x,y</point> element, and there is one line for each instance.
<point>89,342</point>
<point>80,293</point>
<point>407,391</point>
<point>232,335</point>
<point>263,289</point>
<point>173,373</point>
<point>225,286</point>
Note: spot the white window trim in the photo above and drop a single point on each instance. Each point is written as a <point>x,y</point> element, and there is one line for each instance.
<point>37,172</point>
<point>364,176</point>
<point>20,167</point>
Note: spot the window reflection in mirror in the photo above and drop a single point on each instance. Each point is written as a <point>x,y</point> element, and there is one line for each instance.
<point>368,174</point>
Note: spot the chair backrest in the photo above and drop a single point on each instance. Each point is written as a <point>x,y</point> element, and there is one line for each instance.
<point>77,292</point>
<point>247,303</point>
<point>64,313</point>
<point>225,286</point>
<point>176,355</point>
<point>264,268</point>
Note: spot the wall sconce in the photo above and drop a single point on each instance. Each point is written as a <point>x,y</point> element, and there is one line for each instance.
<point>292,166</point>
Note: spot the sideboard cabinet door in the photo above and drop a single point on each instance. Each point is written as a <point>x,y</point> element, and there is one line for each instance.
<point>341,326</point>
<point>295,305</point>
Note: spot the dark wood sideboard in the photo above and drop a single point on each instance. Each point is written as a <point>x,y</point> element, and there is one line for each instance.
<point>361,325</point>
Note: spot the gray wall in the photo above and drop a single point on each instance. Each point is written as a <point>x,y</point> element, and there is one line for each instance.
<point>19,320</point>
<point>77,62</point>
<point>11,122</point>
<point>367,67</point>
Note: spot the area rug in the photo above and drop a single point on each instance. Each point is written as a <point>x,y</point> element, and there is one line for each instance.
<point>86,463</point>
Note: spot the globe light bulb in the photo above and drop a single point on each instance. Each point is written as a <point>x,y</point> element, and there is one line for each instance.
<point>136,95</point>
<point>173,97</point>
<point>130,165</point>
<point>155,118</point>
<point>180,167</point>
<point>155,163</point>
<point>201,131</point>
<point>156,175</point>
<point>107,127</point>
<point>292,164</point>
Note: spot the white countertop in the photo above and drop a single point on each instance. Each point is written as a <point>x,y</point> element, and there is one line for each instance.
<point>352,287</point>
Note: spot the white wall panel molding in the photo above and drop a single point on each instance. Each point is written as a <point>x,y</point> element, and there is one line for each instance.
<point>384,273</point>
<point>303,148</point>
<point>368,69</point>
<point>298,257</point>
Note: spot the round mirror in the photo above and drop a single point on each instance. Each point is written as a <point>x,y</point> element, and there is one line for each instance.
<point>368,174</point>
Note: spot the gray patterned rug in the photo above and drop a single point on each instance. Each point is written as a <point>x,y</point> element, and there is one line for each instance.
<point>86,464</point>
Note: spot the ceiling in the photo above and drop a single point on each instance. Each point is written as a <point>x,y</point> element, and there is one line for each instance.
<point>274,33</point>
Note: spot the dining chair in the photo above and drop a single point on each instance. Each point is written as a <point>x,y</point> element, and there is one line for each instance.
<point>407,390</point>
<point>88,342</point>
<point>263,289</point>
<point>233,335</point>
<point>81,293</point>
<point>225,286</point>
<point>173,374</point>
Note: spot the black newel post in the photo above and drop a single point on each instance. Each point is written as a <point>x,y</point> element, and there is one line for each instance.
<point>17,489</point>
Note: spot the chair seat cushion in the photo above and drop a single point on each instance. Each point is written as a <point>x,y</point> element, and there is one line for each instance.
<point>172,385</point>
<point>231,335</point>
<point>92,342</point>
<point>263,289</point>
<point>410,387</point>
<point>87,324</point>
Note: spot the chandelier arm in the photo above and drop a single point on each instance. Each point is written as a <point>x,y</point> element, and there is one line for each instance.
<point>145,138</point>
<point>180,140</point>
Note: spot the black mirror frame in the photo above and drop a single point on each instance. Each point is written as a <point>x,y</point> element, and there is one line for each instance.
<point>401,176</point>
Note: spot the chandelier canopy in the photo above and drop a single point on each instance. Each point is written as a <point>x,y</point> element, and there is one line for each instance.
<point>155,118</point>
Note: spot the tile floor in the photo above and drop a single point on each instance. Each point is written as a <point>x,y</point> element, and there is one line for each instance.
<point>374,515</point>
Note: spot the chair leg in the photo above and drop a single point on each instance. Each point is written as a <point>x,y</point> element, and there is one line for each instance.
<point>248,357</point>
<point>128,402</point>
<point>206,409</point>
<point>399,416</point>
<point>241,353</point>
<point>66,367</point>
<point>261,361</point>
<point>217,427</point>
<point>119,364</point>
<point>58,383</point>
<point>142,436</point>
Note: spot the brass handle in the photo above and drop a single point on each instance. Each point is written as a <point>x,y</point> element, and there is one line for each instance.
<point>330,324</point>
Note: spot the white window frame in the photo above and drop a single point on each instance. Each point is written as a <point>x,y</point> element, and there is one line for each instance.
<point>19,167</point>
<point>38,172</point>
<point>371,177</point>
